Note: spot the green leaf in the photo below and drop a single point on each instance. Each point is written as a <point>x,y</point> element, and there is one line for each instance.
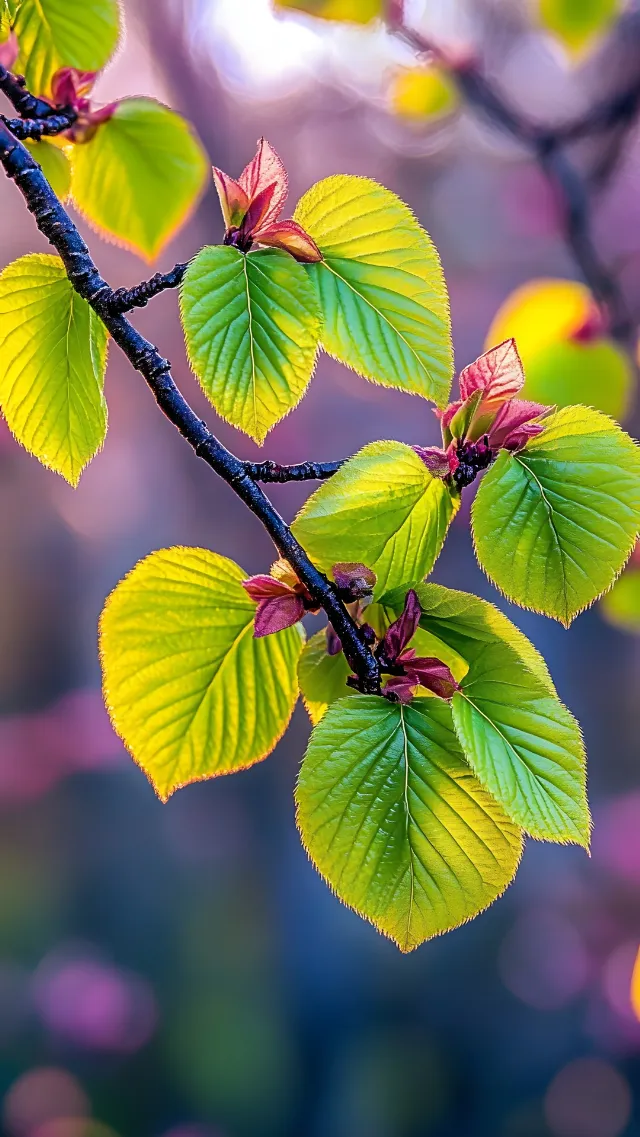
<point>578,22</point>
<point>55,166</point>
<point>382,508</point>
<point>189,689</point>
<point>140,176</point>
<point>554,525</point>
<point>395,821</point>
<point>381,286</point>
<point>322,677</point>
<point>251,326</point>
<point>621,606</point>
<point>64,33</point>
<point>53,356</point>
<point>524,745</point>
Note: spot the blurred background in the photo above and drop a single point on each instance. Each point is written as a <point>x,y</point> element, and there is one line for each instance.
<point>180,970</point>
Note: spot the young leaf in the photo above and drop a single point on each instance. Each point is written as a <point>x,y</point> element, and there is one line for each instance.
<point>189,689</point>
<point>554,524</point>
<point>322,677</point>
<point>251,325</point>
<point>393,818</point>
<point>350,11</point>
<point>382,508</point>
<point>578,22</point>
<point>621,606</point>
<point>524,745</point>
<point>465,624</point>
<point>381,286</point>
<point>64,33</point>
<point>53,356</point>
<point>139,178</point>
<point>55,166</point>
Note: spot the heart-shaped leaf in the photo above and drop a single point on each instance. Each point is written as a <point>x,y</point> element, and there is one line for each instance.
<point>396,822</point>
<point>554,524</point>
<point>251,324</point>
<point>381,286</point>
<point>189,689</point>
<point>53,356</point>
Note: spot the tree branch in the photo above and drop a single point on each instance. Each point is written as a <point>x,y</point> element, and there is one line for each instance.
<point>35,128</point>
<point>55,223</point>
<point>26,104</point>
<point>125,299</point>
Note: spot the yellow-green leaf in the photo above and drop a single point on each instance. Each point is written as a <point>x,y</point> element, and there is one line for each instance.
<point>189,689</point>
<point>383,509</point>
<point>563,368</point>
<point>394,819</point>
<point>349,11</point>
<point>53,355</point>
<point>578,22</point>
<point>64,33</point>
<point>382,290</point>
<point>251,325</point>
<point>55,166</point>
<point>423,94</point>
<point>139,178</point>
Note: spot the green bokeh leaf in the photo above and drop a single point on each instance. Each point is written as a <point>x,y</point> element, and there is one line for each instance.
<point>382,508</point>
<point>251,325</point>
<point>524,745</point>
<point>53,355</point>
<point>139,178</point>
<point>189,689</point>
<point>396,822</point>
<point>322,677</point>
<point>64,33</point>
<point>55,166</point>
<point>381,285</point>
<point>578,22</point>
<point>621,606</point>
<point>554,525</point>
<point>598,374</point>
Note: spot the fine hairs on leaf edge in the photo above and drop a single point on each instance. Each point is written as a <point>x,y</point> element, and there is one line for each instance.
<point>164,798</point>
<point>404,948</point>
<point>566,624</point>
<point>585,843</point>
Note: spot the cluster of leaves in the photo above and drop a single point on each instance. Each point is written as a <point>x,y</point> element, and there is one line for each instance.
<point>412,802</point>
<point>135,169</point>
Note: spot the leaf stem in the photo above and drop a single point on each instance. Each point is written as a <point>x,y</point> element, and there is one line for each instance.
<point>55,223</point>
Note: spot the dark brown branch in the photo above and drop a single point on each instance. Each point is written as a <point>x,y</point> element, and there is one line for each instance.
<point>37,128</point>
<point>55,223</point>
<point>26,104</point>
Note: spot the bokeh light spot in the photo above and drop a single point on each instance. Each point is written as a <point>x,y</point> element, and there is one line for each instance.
<point>588,1098</point>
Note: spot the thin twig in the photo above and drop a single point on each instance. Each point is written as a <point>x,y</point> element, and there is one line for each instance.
<point>26,104</point>
<point>55,223</point>
<point>36,128</point>
<point>126,299</point>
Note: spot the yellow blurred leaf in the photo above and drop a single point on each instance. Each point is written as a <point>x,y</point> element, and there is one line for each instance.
<point>423,92</point>
<point>635,986</point>
<point>621,607</point>
<point>546,317</point>
<point>578,22</point>
<point>351,11</point>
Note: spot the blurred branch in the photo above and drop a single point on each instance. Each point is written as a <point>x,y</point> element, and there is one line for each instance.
<point>616,112</point>
<point>55,223</point>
